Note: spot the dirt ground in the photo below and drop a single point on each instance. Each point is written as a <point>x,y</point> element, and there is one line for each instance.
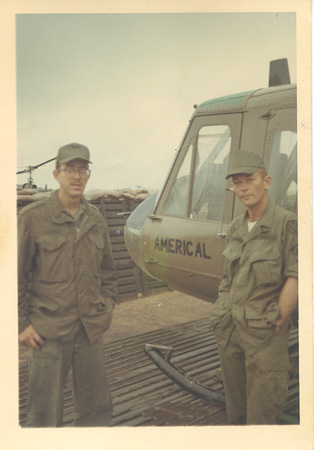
<point>141,315</point>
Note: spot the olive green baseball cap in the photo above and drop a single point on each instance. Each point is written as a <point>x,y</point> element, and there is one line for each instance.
<point>244,162</point>
<point>73,151</point>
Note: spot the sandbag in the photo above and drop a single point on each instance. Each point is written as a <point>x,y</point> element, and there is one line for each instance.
<point>25,198</point>
<point>27,191</point>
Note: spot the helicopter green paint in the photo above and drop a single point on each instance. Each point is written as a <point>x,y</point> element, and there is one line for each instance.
<point>228,100</point>
<point>183,228</point>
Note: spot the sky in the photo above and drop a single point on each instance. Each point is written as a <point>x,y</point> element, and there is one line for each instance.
<point>125,84</point>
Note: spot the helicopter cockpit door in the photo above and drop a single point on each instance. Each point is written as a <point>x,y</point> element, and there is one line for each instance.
<point>186,237</point>
<point>279,152</point>
<point>281,158</point>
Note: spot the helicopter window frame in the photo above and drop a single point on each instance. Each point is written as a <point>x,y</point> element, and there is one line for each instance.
<point>234,120</point>
<point>173,192</point>
<point>217,147</point>
<point>290,168</point>
<point>220,150</point>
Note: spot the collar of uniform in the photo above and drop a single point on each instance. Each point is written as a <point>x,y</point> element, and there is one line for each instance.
<point>267,217</point>
<point>265,221</point>
<point>80,212</point>
<point>58,213</point>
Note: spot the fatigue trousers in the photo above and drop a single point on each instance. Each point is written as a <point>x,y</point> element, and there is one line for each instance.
<point>48,369</point>
<point>256,384</point>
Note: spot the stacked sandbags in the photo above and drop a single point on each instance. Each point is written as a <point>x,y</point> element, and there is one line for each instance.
<point>25,196</point>
<point>138,195</point>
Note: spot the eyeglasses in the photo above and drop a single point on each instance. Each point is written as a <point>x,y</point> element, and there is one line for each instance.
<point>71,172</point>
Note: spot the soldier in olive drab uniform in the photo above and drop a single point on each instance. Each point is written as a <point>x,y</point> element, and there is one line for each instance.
<point>67,290</point>
<point>257,296</point>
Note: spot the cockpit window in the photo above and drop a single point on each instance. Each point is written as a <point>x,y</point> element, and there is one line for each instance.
<point>283,170</point>
<point>177,202</point>
<point>213,149</point>
<point>208,166</point>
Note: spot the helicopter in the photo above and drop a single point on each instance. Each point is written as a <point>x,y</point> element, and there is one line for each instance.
<point>30,169</point>
<point>177,235</point>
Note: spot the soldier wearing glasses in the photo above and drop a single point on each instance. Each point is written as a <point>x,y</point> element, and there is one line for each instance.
<point>67,289</point>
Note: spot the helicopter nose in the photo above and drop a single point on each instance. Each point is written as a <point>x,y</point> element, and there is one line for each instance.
<point>133,229</point>
<point>132,242</point>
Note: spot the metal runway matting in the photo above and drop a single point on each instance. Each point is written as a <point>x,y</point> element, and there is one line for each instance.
<point>144,396</point>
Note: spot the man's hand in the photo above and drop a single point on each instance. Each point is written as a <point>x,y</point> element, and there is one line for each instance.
<point>31,338</point>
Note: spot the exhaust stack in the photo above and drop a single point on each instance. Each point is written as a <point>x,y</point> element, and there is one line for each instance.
<point>279,72</point>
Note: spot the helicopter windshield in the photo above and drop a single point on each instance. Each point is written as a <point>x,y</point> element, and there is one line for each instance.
<point>209,180</point>
<point>177,202</point>
<point>211,161</point>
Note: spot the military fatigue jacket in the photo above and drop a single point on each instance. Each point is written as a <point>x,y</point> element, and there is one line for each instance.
<point>66,274</point>
<point>257,264</point>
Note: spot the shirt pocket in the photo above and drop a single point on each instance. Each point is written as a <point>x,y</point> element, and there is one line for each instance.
<point>96,240</point>
<point>266,264</point>
<point>233,251</point>
<point>53,264</point>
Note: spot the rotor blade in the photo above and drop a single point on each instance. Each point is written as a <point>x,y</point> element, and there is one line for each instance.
<point>41,164</point>
<point>22,171</point>
<point>34,167</point>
